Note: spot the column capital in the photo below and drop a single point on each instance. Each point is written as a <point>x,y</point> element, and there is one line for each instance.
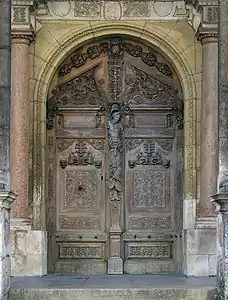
<point>6,198</point>
<point>23,18</point>
<point>207,34</point>
<point>22,37</point>
<point>221,200</point>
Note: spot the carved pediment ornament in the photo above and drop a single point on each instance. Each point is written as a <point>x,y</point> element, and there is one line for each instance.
<point>80,90</point>
<point>148,154</point>
<point>81,156</point>
<point>115,48</point>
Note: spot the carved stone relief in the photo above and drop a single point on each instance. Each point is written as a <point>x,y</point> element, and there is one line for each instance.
<point>19,14</point>
<point>210,14</point>
<point>112,10</point>
<point>90,9</point>
<point>115,10</point>
<point>136,8</point>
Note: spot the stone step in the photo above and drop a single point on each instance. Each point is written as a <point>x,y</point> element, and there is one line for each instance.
<point>120,287</point>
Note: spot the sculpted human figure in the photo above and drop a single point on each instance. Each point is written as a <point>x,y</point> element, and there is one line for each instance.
<point>115,125</point>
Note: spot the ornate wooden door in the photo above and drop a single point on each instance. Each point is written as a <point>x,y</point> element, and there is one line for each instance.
<point>115,163</point>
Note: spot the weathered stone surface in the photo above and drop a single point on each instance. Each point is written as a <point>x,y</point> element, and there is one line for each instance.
<point>5,42</point>
<point>29,251</point>
<point>6,198</point>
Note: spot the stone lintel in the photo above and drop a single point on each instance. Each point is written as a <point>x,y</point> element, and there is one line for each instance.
<point>222,201</point>
<point>6,198</point>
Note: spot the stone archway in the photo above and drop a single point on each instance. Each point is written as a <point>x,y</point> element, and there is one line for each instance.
<point>55,56</point>
<point>115,162</point>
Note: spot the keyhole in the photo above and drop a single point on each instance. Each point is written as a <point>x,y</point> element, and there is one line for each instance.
<point>102,177</point>
<point>80,188</point>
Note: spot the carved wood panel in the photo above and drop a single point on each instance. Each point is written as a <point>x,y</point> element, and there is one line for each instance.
<point>115,121</point>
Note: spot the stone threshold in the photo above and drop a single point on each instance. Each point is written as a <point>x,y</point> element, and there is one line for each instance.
<point>111,281</point>
<point>112,287</point>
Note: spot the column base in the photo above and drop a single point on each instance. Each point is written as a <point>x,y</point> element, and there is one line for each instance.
<point>29,249</point>
<point>115,265</point>
<point>6,198</point>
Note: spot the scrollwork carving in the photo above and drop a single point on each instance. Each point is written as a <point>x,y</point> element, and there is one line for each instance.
<point>115,48</point>
<point>148,154</point>
<point>81,90</point>
<point>81,155</point>
<point>79,58</point>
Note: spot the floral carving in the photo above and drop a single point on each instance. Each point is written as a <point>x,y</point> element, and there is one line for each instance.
<point>19,14</point>
<point>79,58</point>
<point>148,154</point>
<point>115,48</point>
<point>81,90</point>
<point>136,9</point>
<point>80,155</point>
<point>90,9</point>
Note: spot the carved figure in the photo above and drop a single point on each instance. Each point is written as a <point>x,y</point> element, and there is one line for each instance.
<point>115,125</point>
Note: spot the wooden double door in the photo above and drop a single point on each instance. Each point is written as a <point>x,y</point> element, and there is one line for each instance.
<point>115,169</point>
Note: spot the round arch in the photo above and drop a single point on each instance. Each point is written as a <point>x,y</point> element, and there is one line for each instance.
<point>56,55</point>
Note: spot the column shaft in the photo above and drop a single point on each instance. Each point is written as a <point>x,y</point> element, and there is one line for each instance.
<point>5,45</point>
<point>209,123</point>
<point>20,126</point>
<point>223,97</point>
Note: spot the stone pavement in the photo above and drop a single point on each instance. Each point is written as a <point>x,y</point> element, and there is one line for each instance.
<point>112,287</point>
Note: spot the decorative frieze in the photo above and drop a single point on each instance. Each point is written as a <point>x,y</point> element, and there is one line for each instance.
<point>22,15</point>
<point>113,10</point>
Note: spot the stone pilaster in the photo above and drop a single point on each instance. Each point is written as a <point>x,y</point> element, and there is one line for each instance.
<point>221,199</point>
<point>20,122</point>
<point>5,49</point>
<point>209,119</point>
<point>22,35</point>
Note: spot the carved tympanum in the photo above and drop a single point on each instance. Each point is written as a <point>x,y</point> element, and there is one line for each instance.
<point>81,155</point>
<point>115,48</point>
<point>81,90</point>
<point>148,154</point>
<point>142,88</point>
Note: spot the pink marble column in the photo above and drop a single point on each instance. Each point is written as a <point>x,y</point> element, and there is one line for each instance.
<point>20,125</point>
<point>209,123</point>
